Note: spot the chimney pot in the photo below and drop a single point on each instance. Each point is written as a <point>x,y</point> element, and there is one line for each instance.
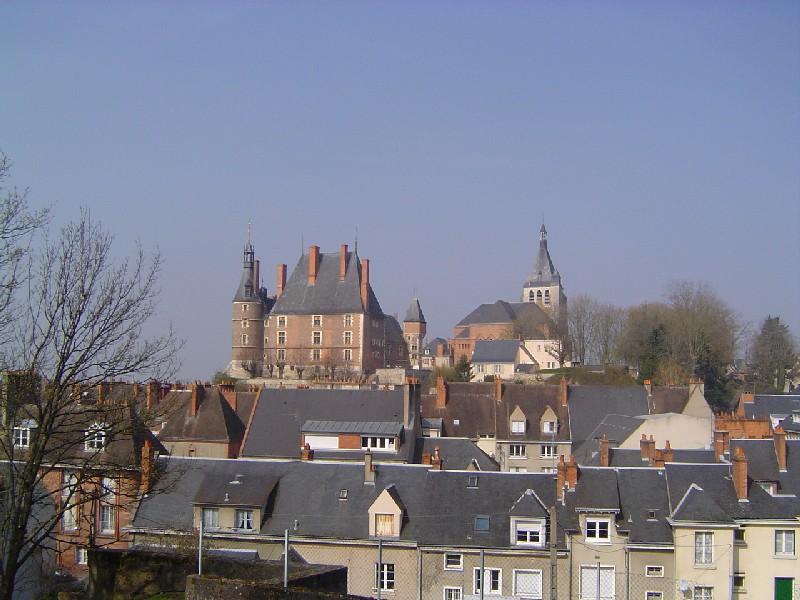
<point>343,262</point>
<point>564,391</point>
<point>313,264</point>
<point>739,473</point>
<point>365,284</point>
<point>779,439</point>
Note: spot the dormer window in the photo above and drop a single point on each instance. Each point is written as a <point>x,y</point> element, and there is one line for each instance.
<point>244,519</point>
<point>21,436</point>
<point>528,532</point>
<point>482,523</point>
<point>598,531</point>
<point>518,427</point>
<point>342,494</point>
<point>549,427</point>
<point>95,439</point>
<point>472,481</point>
<point>210,518</point>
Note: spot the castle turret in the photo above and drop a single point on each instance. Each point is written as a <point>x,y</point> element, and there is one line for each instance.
<point>248,319</point>
<point>414,329</point>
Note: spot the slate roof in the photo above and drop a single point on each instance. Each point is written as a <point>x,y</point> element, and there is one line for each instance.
<point>362,427</point>
<point>617,428</point>
<point>597,490</point>
<point>669,400</point>
<point>215,420</point>
<point>589,405</point>
<point>329,294</point>
<point>640,492</point>
<point>432,347</point>
<point>765,405</point>
<point>279,415</point>
<point>632,457</point>
<point>431,517</point>
<point>502,312</point>
<point>414,313</point>
<point>495,351</point>
<point>457,454</point>
<point>543,271</point>
<point>474,407</point>
<point>234,489</point>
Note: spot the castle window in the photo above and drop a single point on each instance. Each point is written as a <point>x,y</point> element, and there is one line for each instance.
<point>244,339</point>
<point>547,297</point>
<point>348,320</point>
<point>348,337</point>
<point>245,307</point>
<point>281,338</point>
<point>316,338</point>
<point>316,354</point>
<point>281,321</point>
<point>281,355</point>
<point>539,296</point>
<point>316,321</point>
<point>531,296</point>
<point>348,354</point>
<point>95,438</point>
<point>245,322</point>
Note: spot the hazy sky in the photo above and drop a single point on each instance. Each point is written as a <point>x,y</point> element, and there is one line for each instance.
<point>658,140</point>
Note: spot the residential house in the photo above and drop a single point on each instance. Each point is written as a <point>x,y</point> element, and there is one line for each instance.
<point>498,358</point>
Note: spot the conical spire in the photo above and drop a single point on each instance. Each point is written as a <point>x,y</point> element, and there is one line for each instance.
<point>414,313</point>
<point>248,286</point>
<point>543,271</point>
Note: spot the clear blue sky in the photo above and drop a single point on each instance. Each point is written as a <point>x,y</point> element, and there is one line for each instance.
<point>659,141</point>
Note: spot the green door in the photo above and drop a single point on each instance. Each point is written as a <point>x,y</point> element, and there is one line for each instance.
<point>783,588</point>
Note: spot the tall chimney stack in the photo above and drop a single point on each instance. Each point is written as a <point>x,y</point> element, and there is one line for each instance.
<point>197,397</point>
<point>343,263</point>
<point>281,282</point>
<point>564,391</point>
<point>779,438</point>
<point>604,451</point>
<point>441,392</point>
<point>365,284</point>
<point>739,473</point>
<point>313,264</point>
<point>369,468</point>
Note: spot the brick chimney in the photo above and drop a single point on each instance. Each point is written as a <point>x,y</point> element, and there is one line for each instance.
<point>648,448</point>
<point>365,284</point>
<point>779,438</point>
<point>281,281</point>
<point>564,391</point>
<point>722,443</point>
<point>198,393</point>
<point>426,459</point>
<point>604,451</point>
<point>306,453</point>
<point>746,398</point>
<point>498,388</point>
<point>256,276</point>
<point>313,264</point>
<point>228,391</point>
<point>436,461</point>
<point>146,466</point>
<point>441,392</point>
<point>369,468</point>
<point>343,263</point>
<point>668,453</point>
<point>102,392</point>
<point>77,392</point>
<point>566,476</point>
<point>739,473</point>
<point>658,459</point>
<point>151,395</point>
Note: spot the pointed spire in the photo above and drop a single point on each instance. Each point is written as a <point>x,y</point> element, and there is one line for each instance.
<point>414,313</point>
<point>248,285</point>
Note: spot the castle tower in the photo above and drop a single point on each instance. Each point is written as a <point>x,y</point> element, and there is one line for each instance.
<point>414,329</point>
<point>544,282</point>
<point>247,340</point>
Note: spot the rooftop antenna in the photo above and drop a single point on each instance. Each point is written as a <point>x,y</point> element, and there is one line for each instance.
<point>248,233</point>
<point>356,244</point>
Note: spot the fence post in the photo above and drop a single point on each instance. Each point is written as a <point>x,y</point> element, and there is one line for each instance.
<point>419,571</point>
<point>200,548</point>
<point>379,574</point>
<point>482,574</point>
<point>285,558</point>
<point>553,554</point>
<point>598,581</point>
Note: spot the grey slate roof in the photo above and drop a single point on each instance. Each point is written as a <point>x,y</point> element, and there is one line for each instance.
<point>457,454</point>
<point>431,517</point>
<point>543,272</point>
<point>495,351</point>
<point>362,427</point>
<point>279,415</point>
<point>329,294</point>
<point>640,492</point>
<point>432,347</point>
<point>214,421</point>
<point>764,405</point>
<point>505,312</point>
<point>589,405</point>
<point>617,428</point>
<point>414,313</point>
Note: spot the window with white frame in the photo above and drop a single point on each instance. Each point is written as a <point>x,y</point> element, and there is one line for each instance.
<point>784,542</point>
<point>654,571</point>
<point>378,442</point>
<point>316,321</point>
<point>703,592</point>
<point>281,321</point>
<point>598,530</point>
<point>384,524</point>
<point>529,532</point>
<point>549,470</point>
<point>481,523</point>
<point>548,427</point>
<point>21,435</point>
<point>348,338</point>
<point>654,596</point>
<point>281,338</point>
<point>316,338</point>
<point>498,369</point>
<point>517,427</point>
<point>316,354</point>
<point>528,584</point>
<point>348,354</point>
<point>516,450</point>
<point>245,307</point>
<point>738,581</point>
<point>548,451</point>
<point>453,562</point>
<point>517,469</point>
<point>596,578</point>
<point>245,322</point>
<point>69,520</point>
<point>452,593</point>
<point>348,320</point>
<point>480,368</point>
<point>81,556</point>
<point>107,518</point>
<point>210,517</point>
<point>244,519</point>
<point>281,355</point>
<point>69,483</point>
<point>95,438</point>
<point>703,547</point>
<point>245,339</point>
<point>384,576</point>
<point>491,582</point>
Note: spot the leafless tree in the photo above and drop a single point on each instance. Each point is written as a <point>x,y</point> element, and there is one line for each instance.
<point>582,313</point>
<point>80,321</point>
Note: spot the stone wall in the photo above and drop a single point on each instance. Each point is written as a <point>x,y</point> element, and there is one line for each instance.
<point>219,588</point>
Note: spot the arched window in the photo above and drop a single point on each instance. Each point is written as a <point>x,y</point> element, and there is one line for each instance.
<point>530,296</point>
<point>547,297</point>
<point>539,296</point>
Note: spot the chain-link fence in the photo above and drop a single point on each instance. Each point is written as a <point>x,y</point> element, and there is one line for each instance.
<point>397,571</point>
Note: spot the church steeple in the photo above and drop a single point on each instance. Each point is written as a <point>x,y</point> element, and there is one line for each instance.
<point>249,285</point>
<point>543,285</point>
